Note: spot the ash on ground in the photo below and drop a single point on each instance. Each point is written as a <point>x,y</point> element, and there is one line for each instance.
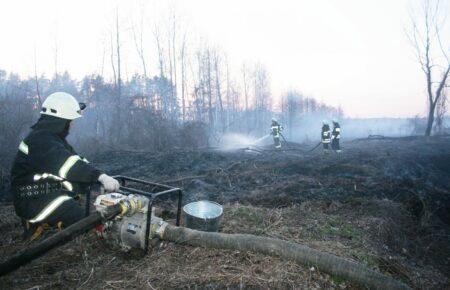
<point>383,203</point>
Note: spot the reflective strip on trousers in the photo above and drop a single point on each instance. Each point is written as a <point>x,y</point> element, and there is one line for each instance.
<point>23,148</point>
<point>50,208</point>
<point>70,162</point>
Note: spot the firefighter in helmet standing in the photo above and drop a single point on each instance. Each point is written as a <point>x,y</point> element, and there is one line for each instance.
<point>335,136</point>
<point>47,172</point>
<point>326,136</point>
<point>276,129</point>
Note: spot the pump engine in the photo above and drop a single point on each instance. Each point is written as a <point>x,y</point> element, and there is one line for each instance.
<point>127,229</point>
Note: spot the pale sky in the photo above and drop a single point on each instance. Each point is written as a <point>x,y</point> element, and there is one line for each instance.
<point>352,53</point>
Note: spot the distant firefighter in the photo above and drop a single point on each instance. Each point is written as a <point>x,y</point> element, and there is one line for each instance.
<point>326,136</point>
<point>335,136</point>
<point>276,129</point>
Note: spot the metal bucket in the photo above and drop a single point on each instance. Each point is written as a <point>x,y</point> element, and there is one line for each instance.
<point>203,215</point>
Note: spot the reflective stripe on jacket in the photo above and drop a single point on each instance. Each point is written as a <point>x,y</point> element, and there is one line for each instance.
<point>336,131</point>
<point>276,129</point>
<point>326,134</point>
<point>326,137</point>
<point>45,155</point>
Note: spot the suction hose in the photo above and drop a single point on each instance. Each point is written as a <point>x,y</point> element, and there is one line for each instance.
<point>58,239</point>
<point>325,262</point>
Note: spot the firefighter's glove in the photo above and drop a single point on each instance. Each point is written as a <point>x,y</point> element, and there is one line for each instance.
<point>109,183</point>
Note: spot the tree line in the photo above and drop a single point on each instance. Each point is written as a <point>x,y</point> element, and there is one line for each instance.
<point>147,115</point>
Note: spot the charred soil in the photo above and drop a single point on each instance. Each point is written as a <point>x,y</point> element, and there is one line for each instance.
<point>384,203</point>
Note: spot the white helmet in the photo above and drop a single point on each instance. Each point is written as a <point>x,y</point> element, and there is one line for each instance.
<point>324,122</point>
<point>62,105</point>
<point>274,119</point>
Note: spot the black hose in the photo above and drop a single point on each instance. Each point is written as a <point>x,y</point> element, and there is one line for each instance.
<point>314,148</point>
<point>325,262</point>
<point>58,239</point>
<point>285,141</point>
<point>296,149</point>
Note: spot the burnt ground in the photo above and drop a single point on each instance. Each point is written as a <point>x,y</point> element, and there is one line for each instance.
<point>384,203</point>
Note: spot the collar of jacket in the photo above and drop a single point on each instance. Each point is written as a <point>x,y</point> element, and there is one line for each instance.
<point>53,124</point>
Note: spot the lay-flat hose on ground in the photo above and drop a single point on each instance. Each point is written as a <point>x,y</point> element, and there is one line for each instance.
<point>325,262</point>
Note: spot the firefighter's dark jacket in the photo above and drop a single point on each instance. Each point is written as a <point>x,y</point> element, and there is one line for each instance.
<point>276,128</point>
<point>336,130</point>
<point>326,133</point>
<point>46,153</point>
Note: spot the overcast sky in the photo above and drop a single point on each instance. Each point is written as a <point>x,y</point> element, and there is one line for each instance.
<point>352,53</point>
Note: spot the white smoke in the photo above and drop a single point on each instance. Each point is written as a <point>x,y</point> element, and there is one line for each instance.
<point>233,141</point>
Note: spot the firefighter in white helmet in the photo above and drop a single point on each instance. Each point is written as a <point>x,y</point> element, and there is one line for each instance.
<point>47,172</point>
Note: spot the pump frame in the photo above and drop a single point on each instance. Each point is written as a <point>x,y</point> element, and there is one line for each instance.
<point>158,190</point>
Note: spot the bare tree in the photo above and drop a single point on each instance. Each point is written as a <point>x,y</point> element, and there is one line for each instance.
<point>119,80</point>
<point>173,32</point>
<point>56,49</point>
<point>199,87</point>
<point>171,64</point>
<point>161,61</point>
<point>262,95</point>
<point>116,67</point>
<point>209,85</point>
<point>162,100</point>
<point>246,84</point>
<point>425,37</point>
<point>138,41</point>
<point>228,93</point>
<point>183,76</point>
<point>292,107</point>
<point>216,60</point>
<point>102,67</point>
<point>441,110</point>
<point>113,66</point>
<point>36,80</point>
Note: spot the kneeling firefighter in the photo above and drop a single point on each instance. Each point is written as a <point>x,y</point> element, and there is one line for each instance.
<point>276,129</point>
<point>47,172</point>
<point>326,136</point>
